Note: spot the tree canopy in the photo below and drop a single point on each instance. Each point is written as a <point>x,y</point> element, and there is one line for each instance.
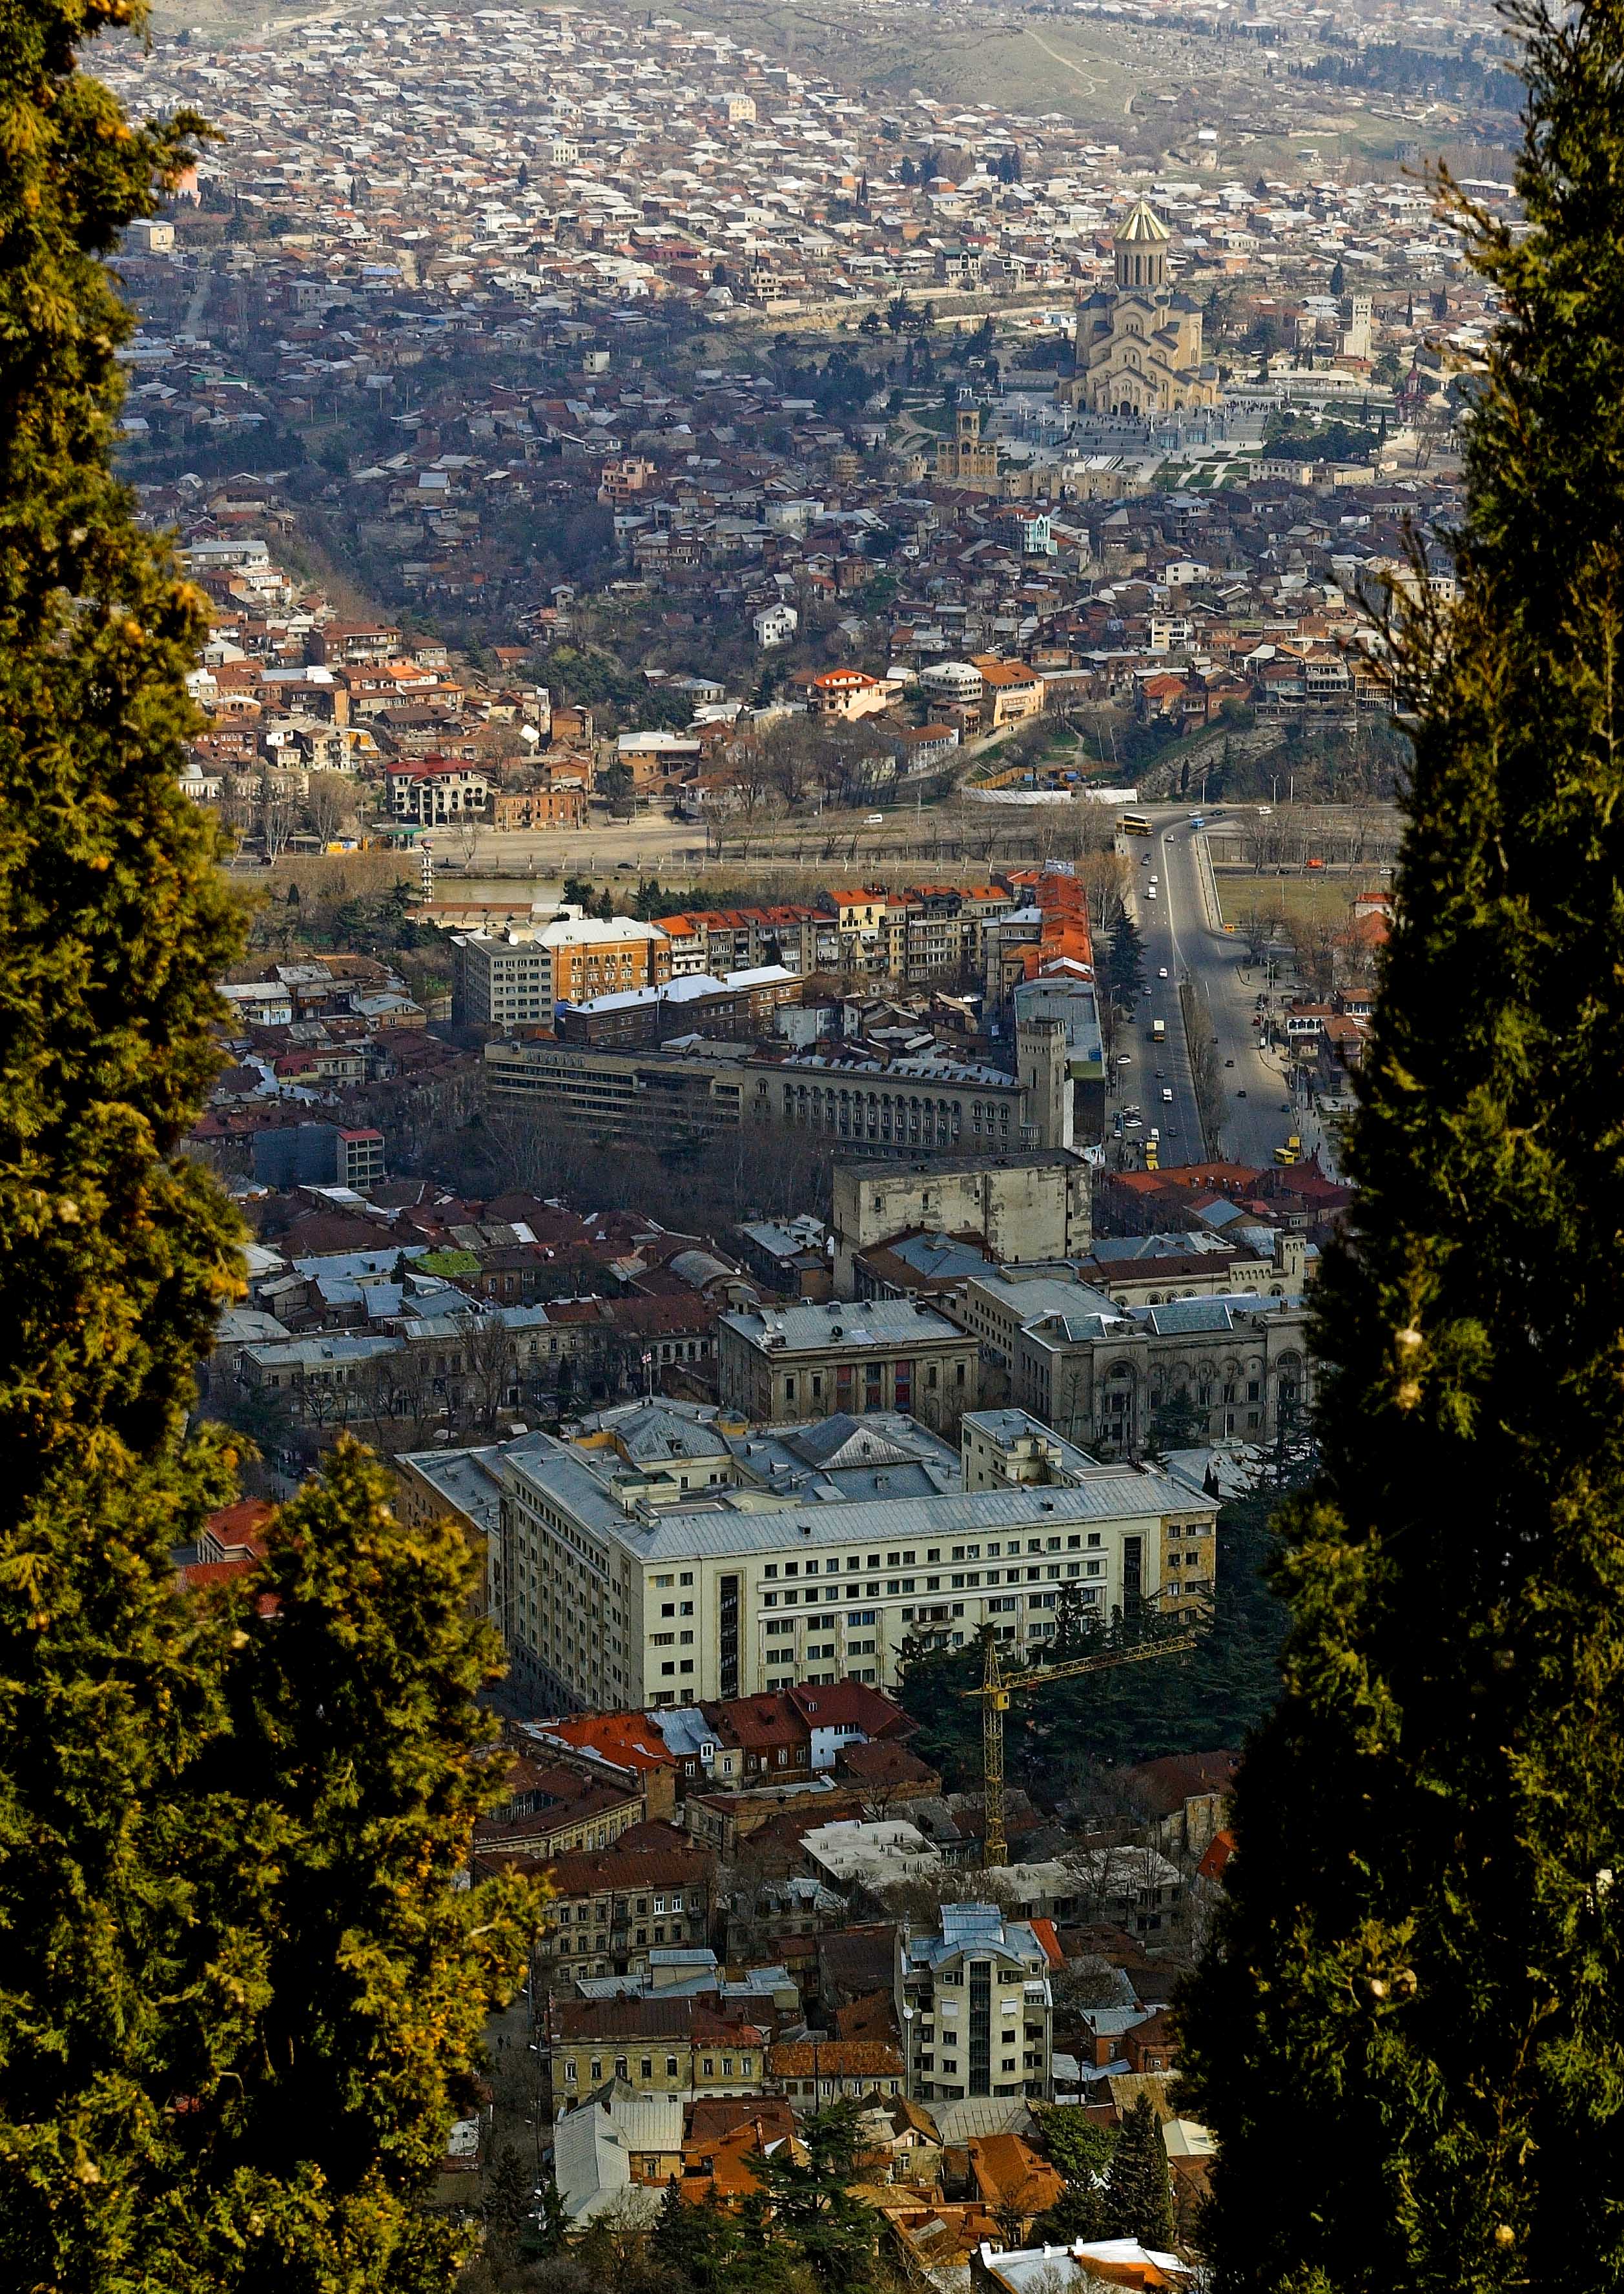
<point>1409,2042</point>
<point>241,1985</point>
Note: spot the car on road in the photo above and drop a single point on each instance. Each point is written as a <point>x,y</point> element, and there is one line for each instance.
<point>1150,891</point>
<point>1162,974</point>
<point>1125,1059</point>
<point>1241,1093</point>
<point>1228,1063</point>
<point>1167,1096</point>
<point>1285,1107</point>
<point>874,820</point>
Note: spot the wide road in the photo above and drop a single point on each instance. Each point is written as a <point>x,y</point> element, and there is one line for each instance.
<point>1157,1068</point>
<point>1177,932</point>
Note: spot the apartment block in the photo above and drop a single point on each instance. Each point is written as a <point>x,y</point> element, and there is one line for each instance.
<point>514,977</point>
<point>606,1914</point>
<point>681,2046</point>
<point>973,1998</point>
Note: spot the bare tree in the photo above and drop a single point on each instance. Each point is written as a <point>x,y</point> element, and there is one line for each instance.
<point>790,749</point>
<point>491,1365</point>
<point>278,817</point>
<point>328,805</point>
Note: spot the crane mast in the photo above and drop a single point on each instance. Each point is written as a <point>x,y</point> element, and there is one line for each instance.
<point>997,1687</point>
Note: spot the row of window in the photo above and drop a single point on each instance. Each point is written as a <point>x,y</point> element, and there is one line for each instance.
<point>907,1558</point>
<point>707,2067</point>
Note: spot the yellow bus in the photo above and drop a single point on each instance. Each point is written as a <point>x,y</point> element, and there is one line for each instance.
<point>1292,1152</point>
<point>1133,824</point>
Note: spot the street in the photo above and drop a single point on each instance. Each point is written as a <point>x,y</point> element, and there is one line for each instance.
<point>1177,934</point>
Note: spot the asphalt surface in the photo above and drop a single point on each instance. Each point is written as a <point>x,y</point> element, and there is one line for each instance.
<point>1177,934</point>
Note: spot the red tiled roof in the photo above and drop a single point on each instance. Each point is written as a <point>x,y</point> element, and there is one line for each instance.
<point>626,1738</point>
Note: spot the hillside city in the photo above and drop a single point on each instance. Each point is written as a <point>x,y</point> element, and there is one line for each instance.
<point>799,701</point>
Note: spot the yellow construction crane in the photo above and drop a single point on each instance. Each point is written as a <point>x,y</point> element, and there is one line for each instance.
<point>997,1688</point>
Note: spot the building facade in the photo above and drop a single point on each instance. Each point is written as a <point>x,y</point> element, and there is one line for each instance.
<point>514,977</point>
<point>685,1556</point>
<point>1032,1206</point>
<point>972,1996</point>
<point>779,1365</point>
<point>1237,1365</point>
<point>659,2045</point>
<point>871,1106</point>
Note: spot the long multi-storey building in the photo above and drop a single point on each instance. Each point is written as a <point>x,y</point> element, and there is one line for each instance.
<point>865,1106</point>
<point>678,1554</point>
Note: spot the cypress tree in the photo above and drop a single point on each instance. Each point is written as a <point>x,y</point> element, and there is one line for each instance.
<point>115,1252</point>
<point>341,1798</point>
<point>813,2210</point>
<point>217,1912</point>
<point>1410,2044</point>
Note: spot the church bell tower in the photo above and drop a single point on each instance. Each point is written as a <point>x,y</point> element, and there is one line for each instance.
<point>1141,253</point>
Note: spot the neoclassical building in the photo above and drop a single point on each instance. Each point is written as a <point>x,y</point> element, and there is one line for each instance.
<point>1139,347</point>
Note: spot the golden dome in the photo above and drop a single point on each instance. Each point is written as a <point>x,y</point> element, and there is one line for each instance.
<point>1143,227</point>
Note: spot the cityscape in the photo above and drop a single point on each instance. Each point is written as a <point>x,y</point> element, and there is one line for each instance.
<point>812,877</point>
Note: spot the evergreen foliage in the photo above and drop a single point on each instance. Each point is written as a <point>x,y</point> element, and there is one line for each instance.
<point>506,2208</point>
<point>237,1998</point>
<point>1411,2044</point>
<point>346,1784</point>
<point>115,1253</point>
<point>811,2204</point>
<point>1125,961</point>
<point>1139,2198</point>
<point>1076,2146</point>
<point>1200,1703</point>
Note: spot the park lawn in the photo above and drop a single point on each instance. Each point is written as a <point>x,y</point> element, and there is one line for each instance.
<point>1297,898</point>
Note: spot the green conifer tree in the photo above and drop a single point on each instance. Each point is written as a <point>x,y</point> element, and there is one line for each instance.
<point>1410,2044</point>
<point>506,2207</point>
<point>1137,2202</point>
<point>812,2208</point>
<point>115,1252</point>
<point>343,1796</point>
<point>157,2004</point>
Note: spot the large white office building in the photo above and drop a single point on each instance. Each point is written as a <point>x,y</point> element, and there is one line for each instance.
<point>674,1554</point>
